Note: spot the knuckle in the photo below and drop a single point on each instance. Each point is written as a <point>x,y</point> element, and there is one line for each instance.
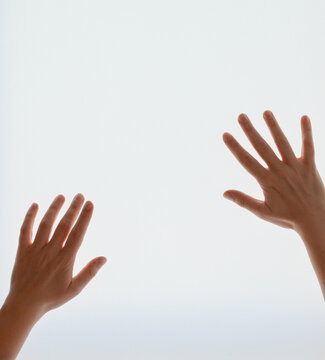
<point>282,142</point>
<point>240,201</point>
<point>24,230</point>
<point>265,179</point>
<point>75,290</point>
<point>311,152</point>
<point>91,271</point>
<point>246,161</point>
<point>259,143</point>
<point>280,167</point>
<point>263,150</point>
<point>74,207</point>
<point>44,222</point>
<point>261,215</point>
<point>308,143</point>
<point>65,224</point>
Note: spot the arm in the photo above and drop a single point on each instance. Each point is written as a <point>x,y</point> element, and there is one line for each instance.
<point>42,275</point>
<point>293,190</point>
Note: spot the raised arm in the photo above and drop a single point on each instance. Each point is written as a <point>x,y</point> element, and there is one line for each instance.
<point>42,275</point>
<point>293,189</point>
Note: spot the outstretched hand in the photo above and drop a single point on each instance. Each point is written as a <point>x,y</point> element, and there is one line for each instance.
<point>42,275</point>
<point>293,190</point>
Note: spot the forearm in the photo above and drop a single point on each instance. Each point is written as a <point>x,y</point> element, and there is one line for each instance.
<point>16,323</point>
<point>313,236</point>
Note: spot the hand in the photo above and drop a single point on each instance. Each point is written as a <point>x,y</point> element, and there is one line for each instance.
<point>42,275</point>
<point>293,190</point>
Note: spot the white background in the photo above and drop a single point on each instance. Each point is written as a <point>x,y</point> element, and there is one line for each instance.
<point>126,101</point>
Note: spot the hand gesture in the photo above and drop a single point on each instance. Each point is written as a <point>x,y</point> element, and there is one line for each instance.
<point>293,190</point>
<point>42,275</point>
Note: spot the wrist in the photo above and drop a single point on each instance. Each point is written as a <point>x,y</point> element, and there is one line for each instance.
<point>16,321</point>
<point>312,233</point>
<point>18,310</point>
<point>312,229</point>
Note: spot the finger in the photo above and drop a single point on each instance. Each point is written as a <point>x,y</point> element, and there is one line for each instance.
<point>255,206</point>
<point>245,158</point>
<point>66,223</point>
<point>85,275</point>
<point>259,144</point>
<point>26,230</point>
<point>308,150</point>
<point>78,232</point>
<point>279,138</point>
<point>46,224</point>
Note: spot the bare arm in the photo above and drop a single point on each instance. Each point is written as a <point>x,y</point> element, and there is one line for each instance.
<point>42,275</point>
<point>293,189</point>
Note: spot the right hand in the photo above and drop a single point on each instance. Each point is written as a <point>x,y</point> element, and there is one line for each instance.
<point>293,189</point>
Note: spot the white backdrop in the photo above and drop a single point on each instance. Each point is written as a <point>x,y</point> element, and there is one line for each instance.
<point>126,101</point>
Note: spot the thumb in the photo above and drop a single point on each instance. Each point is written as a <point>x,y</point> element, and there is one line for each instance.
<point>254,205</point>
<point>85,275</point>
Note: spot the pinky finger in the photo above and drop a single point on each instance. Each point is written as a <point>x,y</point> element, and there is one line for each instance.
<point>26,230</point>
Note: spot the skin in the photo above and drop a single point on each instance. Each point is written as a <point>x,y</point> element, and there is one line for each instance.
<point>42,275</point>
<point>293,189</point>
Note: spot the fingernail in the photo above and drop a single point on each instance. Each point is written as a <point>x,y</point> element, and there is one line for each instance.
<point>59,197</point>
<point>102,261</point>
<point>306,119</point>
<point>242,119</point>
<point>227,137</point>
<point>88,206</point>
<point>268,115</point>
<point>78,197</point>
<point>33,206</point>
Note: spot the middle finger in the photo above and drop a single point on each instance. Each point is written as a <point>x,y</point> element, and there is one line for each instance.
<point>66,223</point>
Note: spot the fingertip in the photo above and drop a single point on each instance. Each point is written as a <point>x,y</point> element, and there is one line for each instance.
<point>60,198</point>
<point>226,137</point>
<point>269,118</point>
<point>267,114</point>
<point>227,195</point>
<point>33,208</point>
<point>242,118</point>
<point>101,261</point>
<point>79,197</point>
<point>89,205</point>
